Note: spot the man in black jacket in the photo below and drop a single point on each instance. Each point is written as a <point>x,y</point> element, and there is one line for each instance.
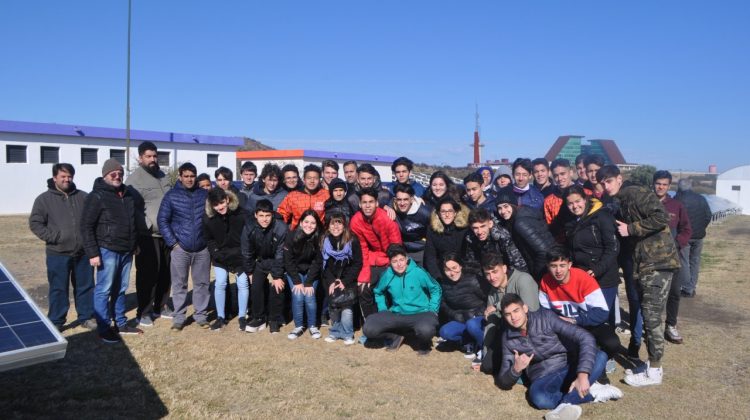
<point>699,214</point>
<point>263,254</point>
<point>413,218</point>
<point>108,229</point>
<point>533,347</point>
<point>54,219</point>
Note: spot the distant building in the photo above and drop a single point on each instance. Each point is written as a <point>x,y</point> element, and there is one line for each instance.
<point>28,150</point>
<point>734,185</point>
<point>300,158</point>
<point>568,147</point>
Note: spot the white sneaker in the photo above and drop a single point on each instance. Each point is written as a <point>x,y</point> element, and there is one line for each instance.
<point>315,333</point>
<point>295,333</point>
<point>652,376</point>
<point>330,339</point>
<point>564,411</point>
<point>603,393</point>
<point>349,341</point>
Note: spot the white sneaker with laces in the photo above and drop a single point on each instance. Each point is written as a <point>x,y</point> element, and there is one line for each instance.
<point>564,411</point>
<point>349,341</point>
<point>330,339</point>
<point>295,333</point>
<point>652,376</point>
<point>603,393</point>
<point>315,333</point>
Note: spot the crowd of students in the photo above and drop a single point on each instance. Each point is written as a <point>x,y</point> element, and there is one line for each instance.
<point>519,273</point>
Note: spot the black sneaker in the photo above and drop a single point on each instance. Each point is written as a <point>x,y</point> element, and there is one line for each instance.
<point>424,352</point>
<point>257,324</point>
<point>274,327</point>
<point>165,313</point>
<point>243,323</point>
<point>468,351</point>
<point>203,324</point>
<point>128,330</point>
<point>110,337</point>
<point>218,324</point>
<point>395,343</point>
<point>177,327</point>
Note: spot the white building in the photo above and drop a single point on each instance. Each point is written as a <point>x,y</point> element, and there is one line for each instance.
<point>734,185</point>
<point>28,151</point>
<point>300,158</point>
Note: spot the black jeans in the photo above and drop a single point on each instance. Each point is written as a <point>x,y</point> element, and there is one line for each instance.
<point>386,324</point>
<point>606,338</point>
<point>260,288</point>
<point>152,278</point>
<point>366,297</point>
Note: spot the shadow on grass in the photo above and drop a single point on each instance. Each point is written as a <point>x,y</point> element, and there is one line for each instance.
<point>94,380</point>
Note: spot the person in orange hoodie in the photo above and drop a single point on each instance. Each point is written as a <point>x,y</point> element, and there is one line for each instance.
<point>313,196</point>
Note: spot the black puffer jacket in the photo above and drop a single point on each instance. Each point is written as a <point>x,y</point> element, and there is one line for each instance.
<point>462,299</point>
<point>442,239</point>
<point>223,234</point>
<point>264,244</point>
<point>108,219</point>
<point>413,225</point>
<point>594,244</point>
<point>342,206</point>
<point>499,241</point>
<point>698,212</point>
<point>532,238</point>
<point>549,339</point>
<point>55,219</point>
<point>300,257</point>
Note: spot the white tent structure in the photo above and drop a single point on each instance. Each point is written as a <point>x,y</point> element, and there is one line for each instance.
<point>734,185</point>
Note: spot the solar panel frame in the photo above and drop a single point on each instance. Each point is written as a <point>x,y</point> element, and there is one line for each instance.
<point>38,337</point>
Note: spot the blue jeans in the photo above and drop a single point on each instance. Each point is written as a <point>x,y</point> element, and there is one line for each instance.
<point>111,284</point>
<point>634,302</point>
<point>691,259</point>
<point>471,331</point>
<point>62,271</point>
<point>220,292</point>
<point>302,304</point>
<point>551,390</point>
<point>342,324</point>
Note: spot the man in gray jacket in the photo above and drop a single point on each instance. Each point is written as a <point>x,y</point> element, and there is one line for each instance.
<point>152,280</point>
<point>55,219</point>
<point>699,214</point>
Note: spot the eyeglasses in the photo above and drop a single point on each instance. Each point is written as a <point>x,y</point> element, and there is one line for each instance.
<point>115,174</point>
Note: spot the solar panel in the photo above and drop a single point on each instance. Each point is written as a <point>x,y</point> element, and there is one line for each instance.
<point>26,335</point>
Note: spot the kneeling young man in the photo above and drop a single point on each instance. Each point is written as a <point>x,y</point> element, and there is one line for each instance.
<point>533,346</point>
<point>415,301</point>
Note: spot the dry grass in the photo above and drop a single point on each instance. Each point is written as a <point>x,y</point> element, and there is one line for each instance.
<point>199,373</point>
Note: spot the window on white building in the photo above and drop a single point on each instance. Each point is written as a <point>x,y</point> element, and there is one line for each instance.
<point>50,154</point>
<point>89,156</point>
<point>15,153</point>
<point>163,158</point>
<point>117,154</point>
<point>212,160</point>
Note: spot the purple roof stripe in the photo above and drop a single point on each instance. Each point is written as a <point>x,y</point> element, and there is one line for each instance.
<point>347,156</point>
<point>116,133</point>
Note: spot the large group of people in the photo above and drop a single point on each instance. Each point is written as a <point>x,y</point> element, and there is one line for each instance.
<point>518,272</point>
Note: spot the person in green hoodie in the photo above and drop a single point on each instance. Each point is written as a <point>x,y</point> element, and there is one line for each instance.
<point>414,298</point>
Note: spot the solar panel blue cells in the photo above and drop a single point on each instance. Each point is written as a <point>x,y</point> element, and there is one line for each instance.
<point>17,313</point>
<point>34,334</point>
<point>8,340</point>
<point>8,293</point>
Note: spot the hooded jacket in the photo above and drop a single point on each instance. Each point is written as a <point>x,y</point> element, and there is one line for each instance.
<point>533,240</point>
<point>412,292</point>
<point>180,218</point>
<point>546,338</point>
<point>223,234</point>
<point>593,242</point>
<point>108,219</point>
<point>149,189</point>
<point>442,239</point>
<point>374,234</point>
<point>413,225</point>
<point>499,241</point>
<point>264,245</point>
<point>462,299</point>
<point>55,218</point>
<point>296,202</point>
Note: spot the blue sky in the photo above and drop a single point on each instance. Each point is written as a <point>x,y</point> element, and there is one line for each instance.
<point>668,80</point>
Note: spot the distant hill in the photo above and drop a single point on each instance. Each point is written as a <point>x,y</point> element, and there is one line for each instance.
<point>252,144</point>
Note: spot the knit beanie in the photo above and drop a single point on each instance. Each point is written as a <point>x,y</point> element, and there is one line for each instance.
<point>111,165</point>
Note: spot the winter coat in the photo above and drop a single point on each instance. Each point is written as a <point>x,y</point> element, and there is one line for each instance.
<point>698,212</point>
<point>557,214</point>
<point>181,218</point>
<point>374,234</point>
<point>499,241</point>
<point>442,239</point>
<point>462,299</point>
<point>412,292</point>
<point>648,227</point>
<point>108,219</point>
<point>342,207</point>
<point>413,225</point>
<point>419,189</point>
<point>296,202</point>
<point>679,221</point>
<point>149,190</point>
<point>533,240</point>
<point>346,270</point>
<point>529,198</point>
<point>385,198</point>
<point>544,338</point>
<point>301,261</point>
<point>264,244</point>
<point>258,193</point>
<point>593,242</point>
<point>223,234</point>
<point>488,204</point>
<point>55,218</point>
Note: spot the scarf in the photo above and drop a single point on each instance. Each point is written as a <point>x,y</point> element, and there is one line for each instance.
<point>519,190</point>
<point>330,252</point>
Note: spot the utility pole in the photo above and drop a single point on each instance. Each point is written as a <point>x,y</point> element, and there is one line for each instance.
<point>127,100</point>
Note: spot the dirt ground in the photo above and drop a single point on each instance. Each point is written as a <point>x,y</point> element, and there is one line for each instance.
<point>230,374</point>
